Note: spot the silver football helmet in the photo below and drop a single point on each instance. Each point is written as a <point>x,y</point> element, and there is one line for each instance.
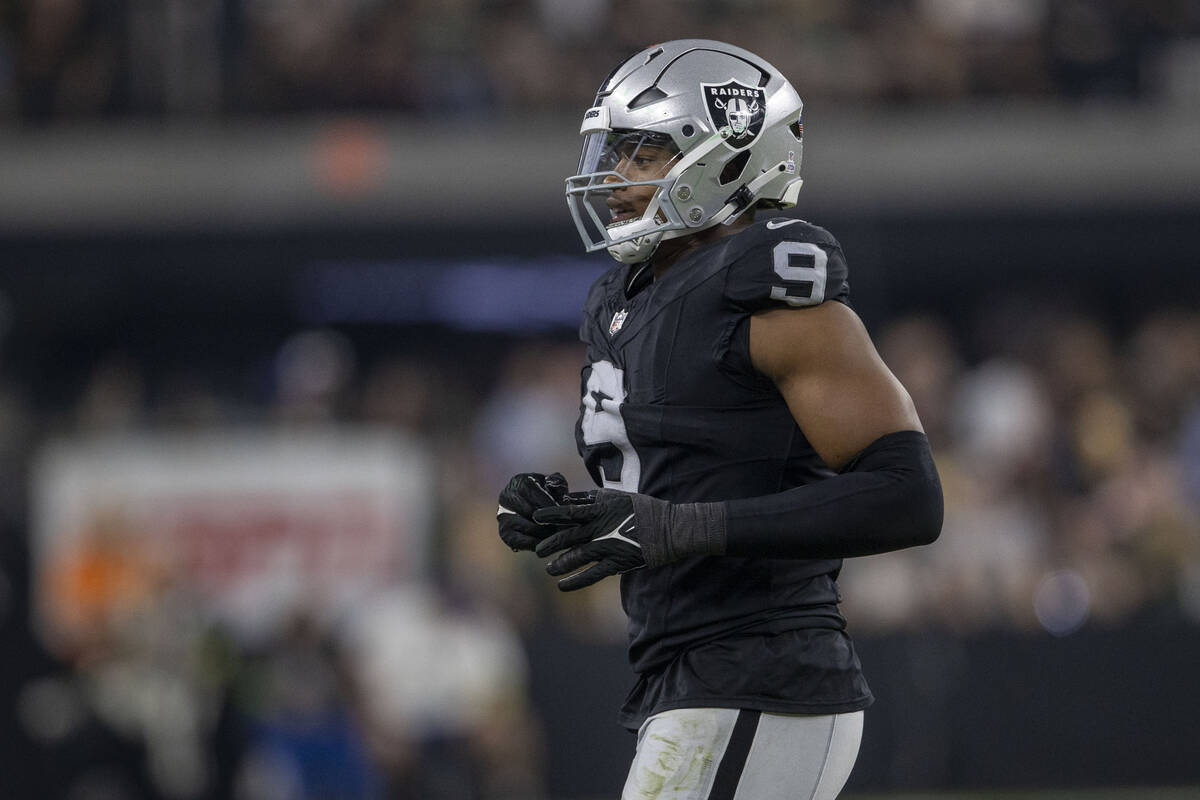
<point>700,131</point>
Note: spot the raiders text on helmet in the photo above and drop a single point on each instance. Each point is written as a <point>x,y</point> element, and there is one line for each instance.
<point>712,128</point>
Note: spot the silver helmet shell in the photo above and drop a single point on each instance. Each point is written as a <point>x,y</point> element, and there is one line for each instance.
<point>734,120</point>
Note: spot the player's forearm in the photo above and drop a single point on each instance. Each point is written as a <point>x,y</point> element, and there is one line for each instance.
<point>888,498</point>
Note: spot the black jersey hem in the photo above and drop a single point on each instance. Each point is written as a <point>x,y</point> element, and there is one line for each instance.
<point>633,722</point>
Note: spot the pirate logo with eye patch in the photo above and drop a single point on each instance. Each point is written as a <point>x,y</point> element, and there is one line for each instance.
<point>736,110</point>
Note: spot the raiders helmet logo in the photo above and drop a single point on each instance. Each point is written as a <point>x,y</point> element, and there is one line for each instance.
<point>736,110</point>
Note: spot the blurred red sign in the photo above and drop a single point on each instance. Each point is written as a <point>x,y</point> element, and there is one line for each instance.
<point>248,527</point>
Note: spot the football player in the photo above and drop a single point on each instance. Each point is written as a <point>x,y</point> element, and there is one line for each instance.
<point>743,431</point>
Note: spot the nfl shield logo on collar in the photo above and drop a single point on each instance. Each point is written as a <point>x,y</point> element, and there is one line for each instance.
<point>617,321</point>
<point>736,110</point>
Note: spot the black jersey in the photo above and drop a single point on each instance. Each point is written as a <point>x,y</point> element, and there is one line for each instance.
<point>672,408</point>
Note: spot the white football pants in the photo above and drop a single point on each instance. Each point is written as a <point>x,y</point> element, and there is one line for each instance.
<point>731,754</point>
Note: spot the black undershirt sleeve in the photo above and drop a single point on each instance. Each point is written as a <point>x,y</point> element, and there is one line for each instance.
<point>887,498</point>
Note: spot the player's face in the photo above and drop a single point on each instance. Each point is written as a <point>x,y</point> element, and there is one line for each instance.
<point>637,160</point>
<point>621,174</point>
<point>641,163</point>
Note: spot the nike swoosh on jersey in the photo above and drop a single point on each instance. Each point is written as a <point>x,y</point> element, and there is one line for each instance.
<point>775,223</point>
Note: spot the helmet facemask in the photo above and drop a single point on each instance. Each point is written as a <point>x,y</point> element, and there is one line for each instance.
<point>619,198</point>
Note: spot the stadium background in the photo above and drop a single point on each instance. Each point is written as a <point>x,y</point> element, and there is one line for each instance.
<point>288,290</point>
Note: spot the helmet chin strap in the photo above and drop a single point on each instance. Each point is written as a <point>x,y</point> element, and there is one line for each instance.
<point>641,248</point>
<point>636,250</point>
<point>734,208</point>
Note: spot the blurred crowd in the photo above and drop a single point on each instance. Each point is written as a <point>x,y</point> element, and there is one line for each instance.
<point>1071,475</point>
<point>100,58</point>
<point>1070,456</point>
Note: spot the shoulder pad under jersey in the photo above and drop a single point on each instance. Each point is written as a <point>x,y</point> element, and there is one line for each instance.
<point>785,262</point>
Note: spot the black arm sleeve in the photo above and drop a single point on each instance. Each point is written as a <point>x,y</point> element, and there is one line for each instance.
<point>887,498</point>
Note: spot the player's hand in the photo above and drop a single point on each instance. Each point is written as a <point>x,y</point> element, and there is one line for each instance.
<point>524,495</point>
<point>603,533</point>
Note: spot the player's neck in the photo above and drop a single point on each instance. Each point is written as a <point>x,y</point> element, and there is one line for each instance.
<point>672,250</point>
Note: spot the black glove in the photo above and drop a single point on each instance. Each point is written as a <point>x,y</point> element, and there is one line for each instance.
<point>525,494</point>
<point>603,531</point>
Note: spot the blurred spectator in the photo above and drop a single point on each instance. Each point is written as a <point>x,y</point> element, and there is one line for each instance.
<point>81,58</point>
<point>314,372</point>
<point>303,738</point>
<point>403,394</point>
<point>1162,370</point>
<point>443,698</point>
<point>529,416</point>
<point>922,353</point>
<point>115,396</point>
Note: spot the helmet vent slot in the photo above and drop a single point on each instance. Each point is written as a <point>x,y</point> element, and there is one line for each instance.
<point>797,129</point>
<point>733,170</point>
<point>651,95</point>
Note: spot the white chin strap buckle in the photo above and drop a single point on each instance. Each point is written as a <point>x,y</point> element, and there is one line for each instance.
<point>636,250</point>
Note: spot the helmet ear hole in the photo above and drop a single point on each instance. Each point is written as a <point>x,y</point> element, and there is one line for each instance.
<point>733,170</point>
